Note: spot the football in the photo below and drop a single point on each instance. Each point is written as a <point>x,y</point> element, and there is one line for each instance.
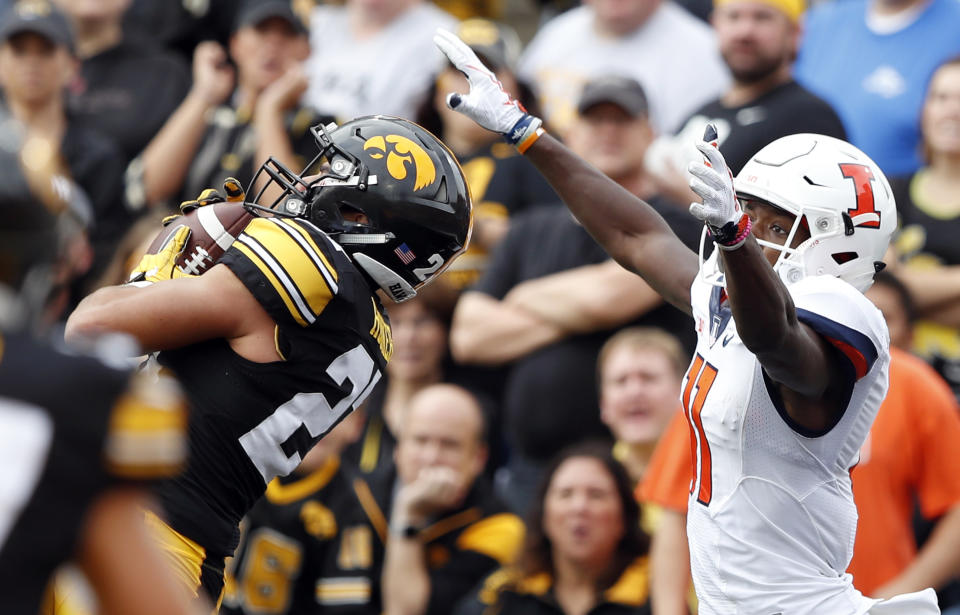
<point>213,228</point>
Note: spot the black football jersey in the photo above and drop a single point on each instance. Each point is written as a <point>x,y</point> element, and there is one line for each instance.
<point>308,547</point>
<point>251,422</point>
<point>70,427</point>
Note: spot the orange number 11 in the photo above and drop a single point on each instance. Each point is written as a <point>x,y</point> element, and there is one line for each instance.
<point>700,376</point>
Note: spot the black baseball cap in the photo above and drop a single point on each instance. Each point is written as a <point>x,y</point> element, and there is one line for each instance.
<point>254,12</point>
<point>39,17</point>
<point>625,92</point>
<point>498,45</point>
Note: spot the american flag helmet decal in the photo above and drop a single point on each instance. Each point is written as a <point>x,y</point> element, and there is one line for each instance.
<point>404,253</point>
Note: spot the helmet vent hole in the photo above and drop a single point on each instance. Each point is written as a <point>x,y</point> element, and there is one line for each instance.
<point>442,191</point>
<point>844,257</point>
<point>807,179</point>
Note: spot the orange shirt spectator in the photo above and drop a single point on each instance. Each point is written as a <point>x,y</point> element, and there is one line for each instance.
<point>911,451</point>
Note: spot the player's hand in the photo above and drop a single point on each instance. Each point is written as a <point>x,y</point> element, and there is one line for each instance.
<point>231,187</point>
<point>712,181</point>
<point>487,103</point>
<point>163,265</point>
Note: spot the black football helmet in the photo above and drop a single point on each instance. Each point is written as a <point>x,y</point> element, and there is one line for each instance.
<point>417,212</point>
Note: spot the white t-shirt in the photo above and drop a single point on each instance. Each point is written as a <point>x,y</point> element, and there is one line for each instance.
<point>386,74</point>
<point>673,55</point>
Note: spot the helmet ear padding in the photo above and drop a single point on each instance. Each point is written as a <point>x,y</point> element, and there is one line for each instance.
<point>390,281</point>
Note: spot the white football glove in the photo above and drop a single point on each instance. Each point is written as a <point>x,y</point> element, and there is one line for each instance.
<point>487,103</point>
<point>713,182</point>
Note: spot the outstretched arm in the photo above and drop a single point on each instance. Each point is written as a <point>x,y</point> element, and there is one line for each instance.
<point>631,231</point>
<point>792,353</point>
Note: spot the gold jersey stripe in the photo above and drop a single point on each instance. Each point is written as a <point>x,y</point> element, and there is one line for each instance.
<point>307,279</point>
<point>146,455</point>
<point>309,244</point>
<point>498,536</point>
<point>132,413</point>
<point>281,290</point>
<point>451,523</point>
<point>343,590</point>
<point>371,508</point>
<point>294,263</point>
<point>280,494</point>
<point>184,556</point>
<point>147,440</point>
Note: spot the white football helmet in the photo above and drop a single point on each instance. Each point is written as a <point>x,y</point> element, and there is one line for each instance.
<point>838,192</point>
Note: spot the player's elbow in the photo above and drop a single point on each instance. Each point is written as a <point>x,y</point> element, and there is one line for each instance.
<point>85,323</point>
<point>470,330</point>
<point>79,326</point>
<point>466,345</point>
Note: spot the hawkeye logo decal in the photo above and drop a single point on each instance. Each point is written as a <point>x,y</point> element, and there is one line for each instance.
<point>399,152</point>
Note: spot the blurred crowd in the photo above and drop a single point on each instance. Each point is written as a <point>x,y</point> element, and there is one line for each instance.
<point>526,451</point>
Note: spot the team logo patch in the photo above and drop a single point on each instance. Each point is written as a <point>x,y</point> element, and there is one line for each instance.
<point>399,152</point>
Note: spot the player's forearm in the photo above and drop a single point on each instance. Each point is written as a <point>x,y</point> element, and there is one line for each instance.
<point>936,563</point>
<point>670,565</point>
<point>406,582</point>
<point>489,332</point>
<point>167,158</point>
<point>586,299</point>
<point>761,306</point>
<point>96,314</point>
<point>606,209</point>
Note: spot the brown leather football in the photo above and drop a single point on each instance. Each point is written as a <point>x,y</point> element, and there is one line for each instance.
<point>213,228</point>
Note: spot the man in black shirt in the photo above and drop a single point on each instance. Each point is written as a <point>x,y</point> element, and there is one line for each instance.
<point>126,89</point>
<point>550,296</point>
<point>758,40</point>
<point>232,121</point>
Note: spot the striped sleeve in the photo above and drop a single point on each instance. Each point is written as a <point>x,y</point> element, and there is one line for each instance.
<point>147,436</point>
<point>284,267</point>
<point>845,318</point>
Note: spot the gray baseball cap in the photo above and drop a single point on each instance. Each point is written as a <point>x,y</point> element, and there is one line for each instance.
<point>253,12</point>
<point>625,92</point>
<point>39,17</point>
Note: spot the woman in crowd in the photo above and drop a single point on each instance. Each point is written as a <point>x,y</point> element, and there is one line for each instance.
<point>928,203</point>
<point>584,551</point>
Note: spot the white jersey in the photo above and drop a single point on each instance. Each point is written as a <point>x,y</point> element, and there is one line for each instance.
<point>771,518</point>
<point>387,73</point>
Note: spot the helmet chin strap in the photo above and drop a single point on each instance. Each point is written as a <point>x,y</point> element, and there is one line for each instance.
<point>390,281</point>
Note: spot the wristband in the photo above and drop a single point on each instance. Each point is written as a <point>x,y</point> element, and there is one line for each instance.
<point>731,235</point>
<point>525,132</point>
<point>404,530</point>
